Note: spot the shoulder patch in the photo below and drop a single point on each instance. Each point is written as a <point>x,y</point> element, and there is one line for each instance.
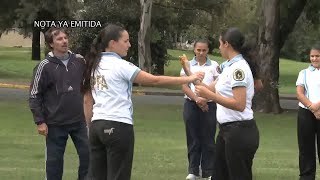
<point>238,75</point>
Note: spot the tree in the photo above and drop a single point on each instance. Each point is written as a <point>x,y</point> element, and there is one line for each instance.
<point>145,36</point>
<point>41,10</point>
<point>268,48</point>
<point>274,29</point>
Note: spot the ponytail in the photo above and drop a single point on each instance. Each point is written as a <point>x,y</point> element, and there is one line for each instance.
<point>237,40</point>
<point>250,55</point>
<point>93,59</point>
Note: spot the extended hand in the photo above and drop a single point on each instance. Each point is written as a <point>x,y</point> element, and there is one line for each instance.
<point>197,76</point>
<point>184,60</point>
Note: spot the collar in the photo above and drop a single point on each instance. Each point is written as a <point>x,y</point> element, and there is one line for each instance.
<point>106,54</point>
<point>311,68</point>
<point>51,53</point>
<point>233,60</point>
<point>194,62</point>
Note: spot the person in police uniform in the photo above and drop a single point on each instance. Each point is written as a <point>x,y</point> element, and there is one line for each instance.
<point>238,138</point>
<point>107,103</point>
<point>199,115</point>
<point>308,94</point>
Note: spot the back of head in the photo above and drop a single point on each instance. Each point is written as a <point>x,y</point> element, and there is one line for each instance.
<point>234,37</point>
<point>99,44</point>
<point>238,42</point>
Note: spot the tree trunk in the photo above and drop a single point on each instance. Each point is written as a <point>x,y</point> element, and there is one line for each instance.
<point>268,52</point>
<point>144,36</point>
<point>36,44</point>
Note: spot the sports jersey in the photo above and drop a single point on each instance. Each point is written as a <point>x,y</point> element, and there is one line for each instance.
<point>112,89</point>
<point>236,72</point>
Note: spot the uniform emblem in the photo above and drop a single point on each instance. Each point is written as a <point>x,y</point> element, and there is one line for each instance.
<point>238,75</point>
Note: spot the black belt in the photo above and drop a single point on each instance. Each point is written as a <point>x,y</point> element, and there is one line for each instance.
<point>244,122</point>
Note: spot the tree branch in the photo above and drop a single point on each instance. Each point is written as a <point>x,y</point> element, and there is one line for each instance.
<point>287,25</point>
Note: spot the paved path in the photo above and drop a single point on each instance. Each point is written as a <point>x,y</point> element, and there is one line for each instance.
<point>149,96</point>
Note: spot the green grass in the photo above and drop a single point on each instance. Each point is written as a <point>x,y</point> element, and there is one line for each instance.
<point>16,66</point>
<point>160,148</point>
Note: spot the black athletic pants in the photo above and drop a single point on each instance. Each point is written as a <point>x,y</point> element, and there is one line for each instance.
<point>237,143</point>
<point>111,150</point>
<point>308,136</point>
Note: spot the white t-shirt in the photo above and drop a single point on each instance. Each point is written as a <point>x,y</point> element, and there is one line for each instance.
<point>209,68</point>
<point>310,79</point>
<point>236,72</point>
<point>113,88</point>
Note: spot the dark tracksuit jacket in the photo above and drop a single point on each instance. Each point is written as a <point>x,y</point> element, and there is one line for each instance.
<point>55,96</point>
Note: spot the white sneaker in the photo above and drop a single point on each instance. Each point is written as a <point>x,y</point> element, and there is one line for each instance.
<point>192,177</point>
<point>208,178</point>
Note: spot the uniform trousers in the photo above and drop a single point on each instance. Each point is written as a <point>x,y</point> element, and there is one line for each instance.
<point>200,132</point>
<point>237,143</point>
<point>308,141</point>
<point>111,150</point>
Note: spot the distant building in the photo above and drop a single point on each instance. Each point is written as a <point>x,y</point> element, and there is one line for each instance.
<point>14,39</point>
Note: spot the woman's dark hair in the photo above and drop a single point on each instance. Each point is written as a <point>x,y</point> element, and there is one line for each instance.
<point>99,44</point>
<point>237,40</point>
<point>51,33</point>
<point>201,41</point>
<point>205,41</point>
<point>316,46</point>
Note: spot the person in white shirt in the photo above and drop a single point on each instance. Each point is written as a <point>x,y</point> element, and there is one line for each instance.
<point>107,103</point>
<point>308,94</point>
<point>238,138</point>
<point>199,115</point>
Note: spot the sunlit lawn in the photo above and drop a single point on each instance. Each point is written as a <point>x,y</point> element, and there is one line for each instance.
<point>160,149</point>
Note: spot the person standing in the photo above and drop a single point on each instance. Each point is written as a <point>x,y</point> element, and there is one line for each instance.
<point>308,94</point>
<point>57,104</point>
<point>238,137</point>
<point>108,106</point>
<point>199,115</point>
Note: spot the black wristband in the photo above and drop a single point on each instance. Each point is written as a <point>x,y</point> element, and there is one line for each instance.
<point>39,122</point>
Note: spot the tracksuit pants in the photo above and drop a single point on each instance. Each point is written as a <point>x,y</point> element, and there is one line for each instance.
<point>111,150</point>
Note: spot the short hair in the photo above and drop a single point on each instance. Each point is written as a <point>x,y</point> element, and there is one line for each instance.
<point>52,32</point>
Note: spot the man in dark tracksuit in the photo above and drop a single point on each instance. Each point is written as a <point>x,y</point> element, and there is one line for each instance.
<point>57,104</point>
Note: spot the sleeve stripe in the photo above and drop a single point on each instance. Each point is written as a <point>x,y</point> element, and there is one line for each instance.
<point>34,89</point>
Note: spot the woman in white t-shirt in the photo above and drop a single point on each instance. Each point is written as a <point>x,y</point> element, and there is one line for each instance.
<point>107,103</point>
<point>238,138</point>
<point>308,94</point>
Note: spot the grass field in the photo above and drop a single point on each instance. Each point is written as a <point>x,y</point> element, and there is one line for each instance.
<point>16,66</point>
<point>160,149</point>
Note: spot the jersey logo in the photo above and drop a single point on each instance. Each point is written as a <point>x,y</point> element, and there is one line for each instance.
<point>108,131</point>
<point>238,75</point>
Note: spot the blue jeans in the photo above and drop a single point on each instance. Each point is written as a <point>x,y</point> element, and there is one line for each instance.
<point>55,147</point>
